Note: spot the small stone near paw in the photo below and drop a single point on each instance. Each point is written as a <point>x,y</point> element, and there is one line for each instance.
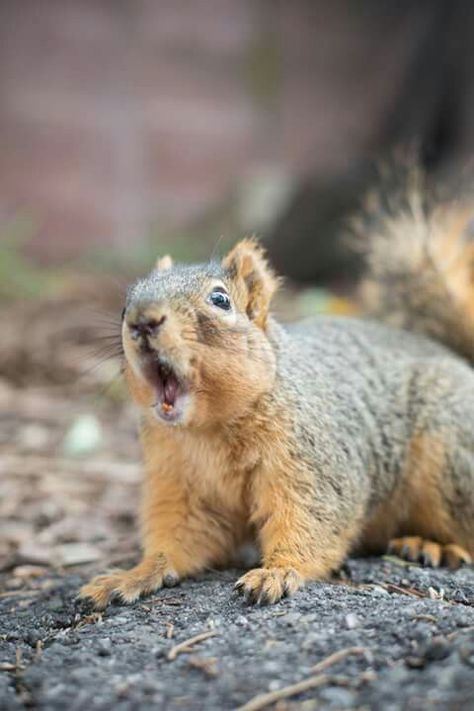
<point>170,580</point>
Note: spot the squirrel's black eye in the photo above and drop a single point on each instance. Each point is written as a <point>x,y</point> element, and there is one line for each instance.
<point>123,314</point>
<point>220,298</point>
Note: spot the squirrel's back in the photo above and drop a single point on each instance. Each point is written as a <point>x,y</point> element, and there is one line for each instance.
<point>347,365</point>
<point>329,436</point>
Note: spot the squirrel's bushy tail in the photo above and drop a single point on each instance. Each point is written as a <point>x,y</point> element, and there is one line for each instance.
<point>420,266</point>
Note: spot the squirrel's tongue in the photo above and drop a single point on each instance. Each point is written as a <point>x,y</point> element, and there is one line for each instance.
<point>170,389</point>
<point>167,387</point>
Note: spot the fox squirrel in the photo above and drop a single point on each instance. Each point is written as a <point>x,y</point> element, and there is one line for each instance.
<point>330,436</point>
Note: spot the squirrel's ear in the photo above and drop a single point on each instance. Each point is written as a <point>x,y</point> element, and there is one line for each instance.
<point>253,279</point>
<point>163,263</point>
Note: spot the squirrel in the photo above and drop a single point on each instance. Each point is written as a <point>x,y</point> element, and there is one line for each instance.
<point>327,437</point>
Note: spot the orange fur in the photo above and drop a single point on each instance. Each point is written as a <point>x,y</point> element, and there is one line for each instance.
<point>287,528</point>
<point>420,269</point>
<point>417,549</point>
<point>415,514</point>
<point>219,476</point>
<point>454,253</point>
<point>223,477</point>
<point>255,283</point>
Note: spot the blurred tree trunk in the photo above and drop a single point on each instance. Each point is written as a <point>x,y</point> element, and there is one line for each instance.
<point>431,111</point>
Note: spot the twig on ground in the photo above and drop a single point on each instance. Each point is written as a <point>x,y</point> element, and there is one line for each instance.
<point>336,657</point>
<point>18,666</point>
<point>454,634</point>
<point>426,618</point>
<point>391,587</point>
<point>207,665</point>
<point>39,649</point>
<point>169,630</point>
<point>263,700</point>
<point>19,659</point>
<point>186,646</point>
<point>400,562</point>
<point>19,593</point>
<point>7,667</point>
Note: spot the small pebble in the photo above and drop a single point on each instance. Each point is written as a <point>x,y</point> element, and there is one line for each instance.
<point>437,649</point>
<point>104,648</point>
<point>83,437</point>
<point>352,621</point>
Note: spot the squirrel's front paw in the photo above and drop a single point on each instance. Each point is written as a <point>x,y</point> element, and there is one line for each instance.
<point>129,585</point>
<point>268,585</point>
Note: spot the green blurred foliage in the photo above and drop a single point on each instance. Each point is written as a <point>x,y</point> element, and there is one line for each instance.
<point>19,277</point>
<point>207,238</point>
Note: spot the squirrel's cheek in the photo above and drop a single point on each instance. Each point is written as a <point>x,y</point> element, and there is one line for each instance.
<point>139,390</point>
<point>131,351</point>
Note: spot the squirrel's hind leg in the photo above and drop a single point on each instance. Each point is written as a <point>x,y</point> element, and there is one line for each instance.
<point>429,518</point>
<point>429,553</point>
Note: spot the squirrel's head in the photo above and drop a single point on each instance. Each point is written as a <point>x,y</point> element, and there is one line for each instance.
<point>195,341</point>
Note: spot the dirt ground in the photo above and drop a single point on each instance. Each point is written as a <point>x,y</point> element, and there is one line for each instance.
<point>403,636</point>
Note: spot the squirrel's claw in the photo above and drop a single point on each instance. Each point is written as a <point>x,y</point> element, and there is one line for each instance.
<point>128,585</point>
<point>265,586</point>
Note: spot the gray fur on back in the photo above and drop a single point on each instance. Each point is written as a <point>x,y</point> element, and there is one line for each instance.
<point>358,391</point>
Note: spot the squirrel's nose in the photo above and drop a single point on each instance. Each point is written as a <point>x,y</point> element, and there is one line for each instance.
<point>145,327</point>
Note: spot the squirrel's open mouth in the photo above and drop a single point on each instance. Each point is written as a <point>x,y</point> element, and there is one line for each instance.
<point>169,389</point>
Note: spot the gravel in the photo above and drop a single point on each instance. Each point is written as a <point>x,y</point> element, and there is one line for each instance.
<point>415,627</point>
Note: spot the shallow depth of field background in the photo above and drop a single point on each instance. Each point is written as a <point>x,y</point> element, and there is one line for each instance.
<point>132,129</point>
<point>128,128</point>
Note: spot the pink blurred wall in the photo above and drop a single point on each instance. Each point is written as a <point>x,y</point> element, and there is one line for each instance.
<point>116,115</point>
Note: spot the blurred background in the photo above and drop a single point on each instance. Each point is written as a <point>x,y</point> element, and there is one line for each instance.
<point>130,129</point>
